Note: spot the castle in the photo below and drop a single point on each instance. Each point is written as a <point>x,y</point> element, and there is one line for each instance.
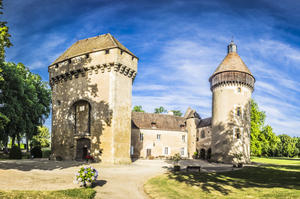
<point>91,86</point>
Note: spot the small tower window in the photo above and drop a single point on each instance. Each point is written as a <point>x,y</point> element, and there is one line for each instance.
<point>121,52</point>
<point>238,111</point>
<point>141,137</point>
<point>202,134</point>
<point>237,133</point>
<point>158,137</point>
<point>183,138</point>
<point>106,52</point>
<point>239,89</point>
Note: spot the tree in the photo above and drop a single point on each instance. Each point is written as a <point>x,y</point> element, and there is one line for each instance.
<point>160,110</point>
<point>287,146</point>
<point>257,123</point>
<point>26,101</point>
<point>177,113</point>
<point>42,139</point>
<point>269,141</point>
<point>4,36</point>
<point>138,109</point>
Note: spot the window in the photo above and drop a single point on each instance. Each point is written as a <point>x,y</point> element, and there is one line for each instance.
<point>141,136</point>
<point>183,138</point>
<point>121,52</point>
<point>131,150</point>
<point>182,151</point>
<point>81,108</point>
<point>158,137</point>
<point>237,133</point>
<point>238,111</point>
<point>166,151</point>
<point>202,134</point>
<point>239,89</point>
<point>106,52</point>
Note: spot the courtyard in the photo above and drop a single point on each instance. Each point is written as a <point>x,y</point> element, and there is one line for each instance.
<point>115,181</point>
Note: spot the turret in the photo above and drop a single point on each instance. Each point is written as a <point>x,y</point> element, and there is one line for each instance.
<point>232,85</point>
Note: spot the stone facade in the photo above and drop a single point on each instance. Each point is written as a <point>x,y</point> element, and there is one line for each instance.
<point>91,98</point>
<point>91,86</point>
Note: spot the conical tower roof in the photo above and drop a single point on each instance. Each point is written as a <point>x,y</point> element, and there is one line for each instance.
<point>232,62</point>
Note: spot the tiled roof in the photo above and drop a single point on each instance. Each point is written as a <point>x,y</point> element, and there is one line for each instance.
<point>157,121</point>
<point>232,62</point>
<point>101,42</point>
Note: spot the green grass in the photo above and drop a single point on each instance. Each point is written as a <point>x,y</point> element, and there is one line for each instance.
<point>61,194</point>
<point>274,180</point>
<point>277,160</point>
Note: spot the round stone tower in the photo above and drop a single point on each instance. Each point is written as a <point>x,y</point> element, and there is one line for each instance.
<point>232,85</point>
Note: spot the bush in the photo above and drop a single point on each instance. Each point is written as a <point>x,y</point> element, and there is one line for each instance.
<point>46,153</point>
<point>36,152</point>
<point>15,153</point>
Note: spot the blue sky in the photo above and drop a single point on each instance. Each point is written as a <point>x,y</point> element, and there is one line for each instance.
<point>179,43</point>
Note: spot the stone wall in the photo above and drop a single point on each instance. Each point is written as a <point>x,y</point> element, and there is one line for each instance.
<point>104,80</point>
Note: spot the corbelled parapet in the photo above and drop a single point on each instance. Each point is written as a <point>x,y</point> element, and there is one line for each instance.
<point>67,71</point>
<point>232,70</point>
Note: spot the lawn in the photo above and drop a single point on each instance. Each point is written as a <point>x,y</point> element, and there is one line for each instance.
<point>61,194</point>
<point>279,178</point>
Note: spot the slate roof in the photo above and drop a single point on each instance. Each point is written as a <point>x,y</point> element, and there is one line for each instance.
<point>204,122</point>
<point>158,121</point>
<point>93,44</point>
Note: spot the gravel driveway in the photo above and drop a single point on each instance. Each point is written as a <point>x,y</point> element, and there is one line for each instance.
<point>115,181</point>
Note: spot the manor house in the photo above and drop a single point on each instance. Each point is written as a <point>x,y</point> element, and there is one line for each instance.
<point>91,86</point>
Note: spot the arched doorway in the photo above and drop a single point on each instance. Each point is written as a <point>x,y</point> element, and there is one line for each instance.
<point>83,148</point>
<point>82,117</point>
<point>202,154</point>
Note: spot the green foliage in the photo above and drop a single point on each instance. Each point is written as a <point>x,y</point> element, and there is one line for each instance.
<point>4,37</point>
<point>138,109</point>
<point>36,152</point>
<point>15,153</point>
<point>177,113</point>
<point>46,152</point>
<point>160,110</point>
<point>86,175</point>
<point>287,146</point>
<point>264,141</point>
<point>26,101</point>
<point>42,138</point>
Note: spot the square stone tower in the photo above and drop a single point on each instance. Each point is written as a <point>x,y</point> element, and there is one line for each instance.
<point>91,86</point>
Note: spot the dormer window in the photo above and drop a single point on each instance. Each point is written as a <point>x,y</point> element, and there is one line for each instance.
<point>106,52</point>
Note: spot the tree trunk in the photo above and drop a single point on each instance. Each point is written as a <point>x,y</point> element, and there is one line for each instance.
<point>13,140</point>
<point>27,148</point>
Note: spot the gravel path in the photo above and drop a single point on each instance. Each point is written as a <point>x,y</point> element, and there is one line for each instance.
<point>115,181</point>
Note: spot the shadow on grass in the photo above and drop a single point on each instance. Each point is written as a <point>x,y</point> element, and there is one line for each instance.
<point>249,177</point>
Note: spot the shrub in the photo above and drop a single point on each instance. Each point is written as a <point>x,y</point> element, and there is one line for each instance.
<point>36,152</point>
<point>86,176</point>
<point>46,153</point>
<point>15,153</point>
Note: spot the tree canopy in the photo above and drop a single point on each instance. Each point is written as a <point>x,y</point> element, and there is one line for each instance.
<point>264,141</point>
<point>138,109</point>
